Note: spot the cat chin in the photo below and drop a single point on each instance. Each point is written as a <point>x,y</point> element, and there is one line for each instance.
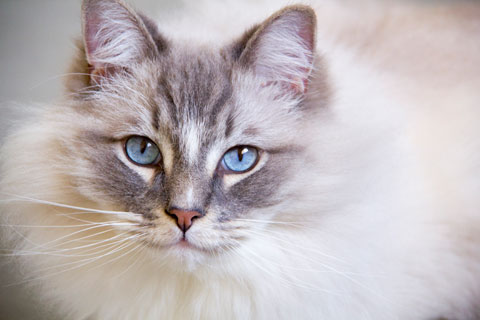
<point>181,256</point>
<point>187,259</point>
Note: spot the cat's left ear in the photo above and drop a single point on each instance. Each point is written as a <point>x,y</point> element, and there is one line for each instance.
<point>115,37</point>
<point>281,49</point>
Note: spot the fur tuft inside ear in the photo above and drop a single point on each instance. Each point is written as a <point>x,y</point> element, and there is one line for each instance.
<point>114,36</point>
<point>281,50</point>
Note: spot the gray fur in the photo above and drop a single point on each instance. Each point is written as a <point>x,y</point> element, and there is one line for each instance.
<point>193,85</point>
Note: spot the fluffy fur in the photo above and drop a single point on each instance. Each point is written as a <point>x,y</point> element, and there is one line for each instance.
<point>364,203</point>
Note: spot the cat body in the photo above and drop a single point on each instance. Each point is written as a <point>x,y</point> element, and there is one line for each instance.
<point>362,203</point>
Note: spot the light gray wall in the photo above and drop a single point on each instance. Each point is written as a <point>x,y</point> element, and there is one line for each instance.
<point>36,43</point>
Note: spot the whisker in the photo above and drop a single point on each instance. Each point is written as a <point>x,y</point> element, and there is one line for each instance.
<point>57,77</point>
<point>58,251</point>
<point>25,238</point>
<point>286,223</point>
<point>44,246</point>
<point>77,232</point>
<point>89,260</point>
<point>346,275</point>
<point>117,222</point>
<point>271,233</point>
<point>285,281</point>
<point>134,262</point>
<point>309,258</point>
<point>115,259</point>
<point>61,226</point>
<point>61,205</point>
<point>108,245</point>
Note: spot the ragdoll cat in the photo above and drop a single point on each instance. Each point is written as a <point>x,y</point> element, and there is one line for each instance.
<point>323,165</point>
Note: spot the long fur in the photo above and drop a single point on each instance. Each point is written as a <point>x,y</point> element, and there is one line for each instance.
<point>377,218</point>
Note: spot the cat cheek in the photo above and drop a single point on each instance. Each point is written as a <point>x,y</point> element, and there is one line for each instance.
<point>205,233</point>
<point>162,235</point>
<point>147,174</point>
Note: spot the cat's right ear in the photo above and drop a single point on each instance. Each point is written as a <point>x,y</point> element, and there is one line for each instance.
<point>115,38</point>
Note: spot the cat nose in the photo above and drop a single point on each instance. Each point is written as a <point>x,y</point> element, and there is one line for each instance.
<point>184,217</point>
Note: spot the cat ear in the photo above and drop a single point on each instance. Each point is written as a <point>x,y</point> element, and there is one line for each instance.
<point>281,50</point>
<point>115,37</point>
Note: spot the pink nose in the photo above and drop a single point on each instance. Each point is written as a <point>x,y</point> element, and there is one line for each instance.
<point>184,218</point>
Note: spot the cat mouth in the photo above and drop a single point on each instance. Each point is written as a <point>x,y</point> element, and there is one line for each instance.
<point>181,245</point>
<point>185,244</point>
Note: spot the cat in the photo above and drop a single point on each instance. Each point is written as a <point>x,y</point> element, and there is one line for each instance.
<point>323,165</point>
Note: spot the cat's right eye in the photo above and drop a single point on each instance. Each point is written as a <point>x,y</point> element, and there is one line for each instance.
<point>142,151</point>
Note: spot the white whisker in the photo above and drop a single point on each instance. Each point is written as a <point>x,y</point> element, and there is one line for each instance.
<point>58,252</point>
<point>289,283</point>
<point>312,250</point>
<point>107,223</point>
<point>61,205</point>
<point>87,261</point>
<point>77,232</point>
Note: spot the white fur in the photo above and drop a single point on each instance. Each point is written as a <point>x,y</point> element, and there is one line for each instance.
<point>387,198</point>
<point>192,143</point>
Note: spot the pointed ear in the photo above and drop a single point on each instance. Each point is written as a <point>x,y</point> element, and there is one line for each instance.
<point>115,37</point>
<point>281,50</point>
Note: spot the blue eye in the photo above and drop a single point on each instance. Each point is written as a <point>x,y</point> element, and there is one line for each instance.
<point>240,159</point>
<point>142,151</point>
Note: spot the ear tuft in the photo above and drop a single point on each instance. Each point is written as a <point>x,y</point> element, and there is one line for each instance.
<point>281,50</point>
<point>114,36</point>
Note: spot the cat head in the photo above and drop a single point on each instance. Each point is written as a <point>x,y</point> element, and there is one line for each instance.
<point>202,143</point>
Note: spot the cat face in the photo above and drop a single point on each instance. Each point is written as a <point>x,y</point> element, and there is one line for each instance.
<point>192,141</point>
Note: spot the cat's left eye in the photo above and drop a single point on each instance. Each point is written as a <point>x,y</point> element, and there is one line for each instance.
<point>240,159</point>
<point>142,151</point>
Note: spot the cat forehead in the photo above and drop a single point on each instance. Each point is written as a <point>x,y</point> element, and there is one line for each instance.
<point>204,89</point>
<point>192,101</point>
<point>194,84</point>
<point>195,100</point>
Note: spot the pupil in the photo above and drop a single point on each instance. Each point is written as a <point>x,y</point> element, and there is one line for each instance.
<point>143,146</point>
<point>240,154</point>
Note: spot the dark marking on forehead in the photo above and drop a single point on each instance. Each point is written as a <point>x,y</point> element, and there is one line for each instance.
<point>229,125</point>
<point>98,137</point>
<point>197,82</point>
<point>205,88</point>
<point>195,87</point>
<point>156,118</point>
<point>165,90</point>
<point>296,149</point>
<point>250,131</point>
<point>221,101</point>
